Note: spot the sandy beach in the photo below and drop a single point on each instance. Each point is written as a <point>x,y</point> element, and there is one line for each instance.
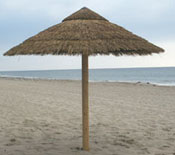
<point>43,117</point>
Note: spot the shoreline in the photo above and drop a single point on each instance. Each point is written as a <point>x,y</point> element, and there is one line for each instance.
<point>90,81</point>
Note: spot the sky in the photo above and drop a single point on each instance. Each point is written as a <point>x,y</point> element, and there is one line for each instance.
<point>153,20</point>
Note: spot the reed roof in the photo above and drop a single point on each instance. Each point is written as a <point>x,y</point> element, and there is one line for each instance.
<point>85,32</point>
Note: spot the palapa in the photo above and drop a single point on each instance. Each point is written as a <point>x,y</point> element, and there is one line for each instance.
<point>85,33</point>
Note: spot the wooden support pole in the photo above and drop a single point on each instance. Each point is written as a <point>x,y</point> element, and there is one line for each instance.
<point>85,106</point>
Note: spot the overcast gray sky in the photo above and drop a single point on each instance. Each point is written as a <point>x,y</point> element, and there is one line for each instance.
<point>153,20</point>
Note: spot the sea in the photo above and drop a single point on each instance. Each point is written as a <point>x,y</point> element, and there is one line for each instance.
<point>155,75</point>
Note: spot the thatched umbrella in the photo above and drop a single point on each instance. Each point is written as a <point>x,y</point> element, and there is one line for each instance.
<point>85,33</point>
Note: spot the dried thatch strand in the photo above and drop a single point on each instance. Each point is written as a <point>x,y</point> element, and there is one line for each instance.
<point>85,32</point>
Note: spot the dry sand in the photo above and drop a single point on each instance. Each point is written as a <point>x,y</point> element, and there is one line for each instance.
<point>42,117</point>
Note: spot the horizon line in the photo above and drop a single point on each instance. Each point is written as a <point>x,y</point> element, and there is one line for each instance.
<point>80,69</point>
